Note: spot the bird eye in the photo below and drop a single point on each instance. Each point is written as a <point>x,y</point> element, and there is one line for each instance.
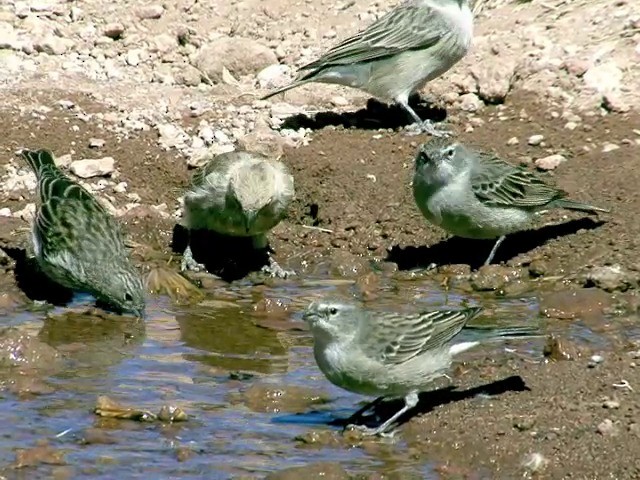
<point>449,151</point>
<point>128,297</point>
<point>333,311</point>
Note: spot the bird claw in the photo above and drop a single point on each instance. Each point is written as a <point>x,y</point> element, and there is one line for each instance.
<point>426,126</point>
<point>276,271</point>
<point>189,263</point>
<point>192,266</point>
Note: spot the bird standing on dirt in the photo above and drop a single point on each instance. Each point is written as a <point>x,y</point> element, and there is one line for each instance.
<point>398,54</point>
<point>239,194</point>
<point>77,243</point>
<point>392,355</point>
<point>477,195</point>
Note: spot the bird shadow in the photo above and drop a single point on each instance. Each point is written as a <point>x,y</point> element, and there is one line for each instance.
<point>34,283</point>
<point>230,258</point>
<point>428,401</point>
<point>457,250</point>
<point>374,116</point>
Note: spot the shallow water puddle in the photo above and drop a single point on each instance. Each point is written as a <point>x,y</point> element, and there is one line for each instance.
<point>239,364</point>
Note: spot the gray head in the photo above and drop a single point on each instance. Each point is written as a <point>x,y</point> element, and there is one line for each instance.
<point>123,290</point>
<point>332,319</point>
<point>439,161</point>
<point>253,187</point>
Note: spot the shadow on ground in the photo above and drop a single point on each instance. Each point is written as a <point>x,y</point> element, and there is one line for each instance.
<point>230,258</point>
<point>34,283</point>
<point>457,250</point>
<point>374,116</point>
<point>436,398</point>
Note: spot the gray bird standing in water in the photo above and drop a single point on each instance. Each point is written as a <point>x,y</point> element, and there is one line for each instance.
<point>77,243</point>
<point>477,195</point>
<point>390,355</point>
<point>239,194</point>
<point>398,54</point>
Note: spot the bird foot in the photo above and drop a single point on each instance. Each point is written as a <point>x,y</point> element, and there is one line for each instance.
<point>276,271</point>
<point>381,431</point>
<point>426,126</point>
<point>189,263</point>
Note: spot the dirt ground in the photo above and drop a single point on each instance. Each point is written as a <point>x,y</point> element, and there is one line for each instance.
<point>355,184</point>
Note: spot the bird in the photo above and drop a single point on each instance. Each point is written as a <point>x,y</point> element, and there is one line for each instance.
<point>477,195</point>
<point>416,42</point>
<point>238,194</point>
<point>75,241</point>
<point>391,355</point>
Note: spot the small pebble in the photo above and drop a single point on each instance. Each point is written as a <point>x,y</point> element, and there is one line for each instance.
<point>550,163</point>
<point>606,427</point>
<point>535,462</point>
<point>609,147</point>
<point>96,143</point>
<point>339,101</point>
<point>120,187</point>
<point>611,404</point>
<point>535,140</point>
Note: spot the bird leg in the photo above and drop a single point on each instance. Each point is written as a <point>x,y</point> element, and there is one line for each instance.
<point>358,415</point>
<point>189,263</point>
<point>410,401</point>
<point>419,125</point>
<point>494,250</point>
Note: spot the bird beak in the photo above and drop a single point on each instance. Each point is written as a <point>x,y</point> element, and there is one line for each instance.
<point>423,158</point>
<point>250,218</point>
<point>310,315</point>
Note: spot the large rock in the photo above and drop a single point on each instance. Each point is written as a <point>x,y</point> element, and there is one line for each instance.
<point>605,77</point>
<point>241,56</point>
<point>93,167</point>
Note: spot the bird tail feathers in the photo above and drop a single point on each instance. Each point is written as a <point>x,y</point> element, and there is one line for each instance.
<point>37,159</point>
<point>488,333</point>
<point>294,84</point>
<point>484,334</point>
<point>581,207</point>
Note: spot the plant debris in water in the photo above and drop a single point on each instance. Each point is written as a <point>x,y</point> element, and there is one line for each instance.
<point>106,407</point>
<point>162,281</point>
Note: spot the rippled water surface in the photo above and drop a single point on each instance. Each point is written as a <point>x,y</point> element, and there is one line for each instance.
<point>223,362</point>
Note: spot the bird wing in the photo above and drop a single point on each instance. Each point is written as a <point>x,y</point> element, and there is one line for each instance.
<point>394,339</point>
<point>407,27</point>
<point>500,184</point>
<point>68,212</point>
